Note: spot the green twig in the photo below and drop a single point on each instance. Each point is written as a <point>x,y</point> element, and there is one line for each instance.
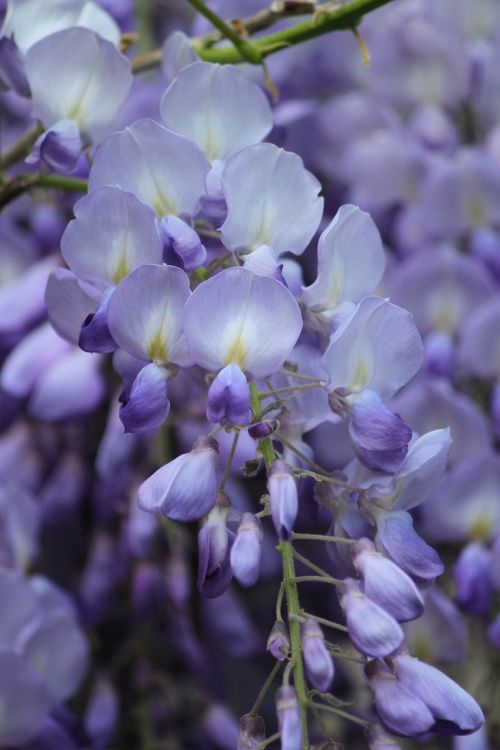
<point>24,182</point>
<point>346,16</point>
<point>21,147</point>
<point>265,687</point>
<point>247,51</point>
<point>230,460</point>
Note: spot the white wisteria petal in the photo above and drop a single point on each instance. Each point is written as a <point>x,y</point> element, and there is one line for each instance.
<point>276,203</point>
<point>217,107</point>
<point>161,168</point>
<point>145,314</point>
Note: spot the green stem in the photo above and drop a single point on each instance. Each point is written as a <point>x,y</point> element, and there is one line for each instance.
<point>21,147</point>
<point>324,538</point>
<point>230,460</point>
<point>265,687</point>
<point>318,579</point>
<point>289,585</point>
<point>24,182</point>
<point>247,51</point>
<point>327,623</point>
<point>268,741</point>
<point>339,712</point>
<point>293,608</point>
<point>346,16</point>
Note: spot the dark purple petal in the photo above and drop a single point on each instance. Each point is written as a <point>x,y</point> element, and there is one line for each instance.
<point>380,438</point>
<point>146,407</point>
<point>229,397</point>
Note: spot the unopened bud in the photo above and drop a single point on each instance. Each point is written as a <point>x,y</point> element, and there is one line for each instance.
<point>283,498</point>
<point>252,731</point>
<point>278,643</point>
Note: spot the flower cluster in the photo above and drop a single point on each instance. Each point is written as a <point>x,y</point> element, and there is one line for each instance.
<point>244,402</point>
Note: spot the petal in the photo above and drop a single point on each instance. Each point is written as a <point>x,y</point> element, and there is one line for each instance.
<point>22,300</point>
<point>163,169</point>
<point>455,710</point>
<point>217,107</point>
<point>113,234</point>
<point>480,341</point>
<point>30,358</point>
<point>28,21</point>
<point>185,488</point>
<point>177,54</point>
<point>88,89</point>
<point>351,260</point>
<point>15,590</point>
<point>396,536</point>
<point>229,397</point>
<point>378,347</point>
<point>146,406</point>
<point>240,318</point>
<point>59,148</point>
<point>181,244</point>
<point>67,304</point>
<point>94,333</point>
<point>246,552</point>
<point>12,75</point>
<point>386,584</point>
<point>398,708</point>
<point>380,438</point>
<point>277,204</point>
<point>145,314</point>
<point>422,469</point>
<point>58,652</point>
<point>24,701</point>
<point>72,386</point>
<point>372,630</point>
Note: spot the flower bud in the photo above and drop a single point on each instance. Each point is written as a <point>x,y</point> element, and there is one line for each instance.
<point>214,570</point>
<point>472,579</point>
<point>186,488</point>
<point>252,731</point>
<point>181,244</point>
<point>246,551</point>
<point>289,723</point>
<point>263,429</point>
<point>372,630</point>
<point>94,333</point>
<point>385,583</point>
<point>229,397</point>
<point>278,643</point>
<point>146,406</point>
<point>318,660</point>
<point>283,498</point>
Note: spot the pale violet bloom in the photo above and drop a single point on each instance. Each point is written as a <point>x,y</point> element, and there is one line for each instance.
<point>240,318</point>
<point>370,357</point>
<point>419,474</point>
<point>276,204</point>
<point>112,234</point>
<point>163,169</point>
<point>239,322</point>
<point>87,89</point>
<point>480,341</point>
<point>222,111</point>
<point>145,319</point>
<point>177,54</point>
<point>351,261</point>
<point>218,108</point>
<point>28,21</point>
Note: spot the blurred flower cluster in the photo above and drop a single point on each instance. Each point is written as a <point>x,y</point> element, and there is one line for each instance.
<point>250,375</point>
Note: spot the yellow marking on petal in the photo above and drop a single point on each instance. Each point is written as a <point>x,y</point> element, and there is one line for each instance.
<point>361,375</point>
<point>236,353</point>
<point>156,348</point>
<point>121,269</point>
<point>481,528</point>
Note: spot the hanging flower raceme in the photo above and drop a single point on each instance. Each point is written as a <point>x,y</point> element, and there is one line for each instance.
<point>370,357</point>
<point>236,323</point>
<point>145,319</point>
